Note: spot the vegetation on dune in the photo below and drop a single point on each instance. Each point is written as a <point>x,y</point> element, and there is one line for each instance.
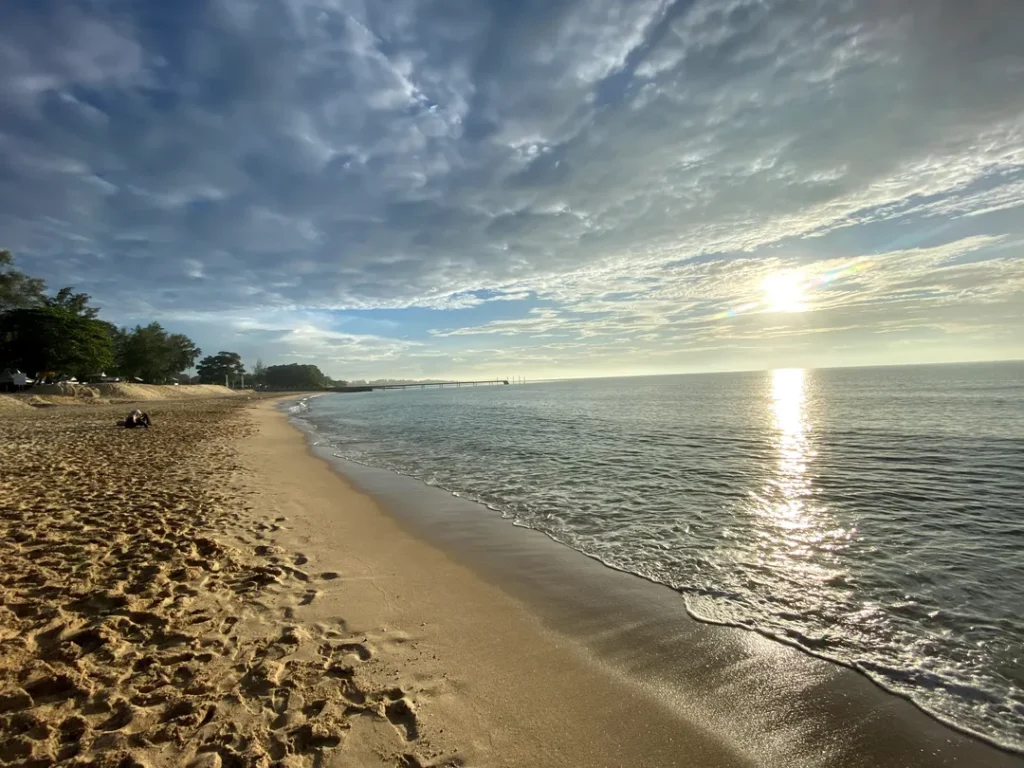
<point>62,336</point>
<point>43,339</point>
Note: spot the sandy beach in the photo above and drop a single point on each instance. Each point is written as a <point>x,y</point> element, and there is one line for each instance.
<point>146,618</point>
<point>209,593</point>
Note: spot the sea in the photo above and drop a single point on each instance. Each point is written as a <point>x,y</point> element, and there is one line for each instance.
<point>871,516</point>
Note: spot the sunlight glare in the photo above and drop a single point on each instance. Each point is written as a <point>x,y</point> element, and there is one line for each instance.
<point>790,488</point>
<point>797,535</point>
<point>784,292</point>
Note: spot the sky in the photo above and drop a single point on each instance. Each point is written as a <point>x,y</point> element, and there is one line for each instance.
<point>541,188</point>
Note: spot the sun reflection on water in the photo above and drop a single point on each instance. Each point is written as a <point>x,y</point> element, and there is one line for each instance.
<point>797,532</point>
<point>790,486</point>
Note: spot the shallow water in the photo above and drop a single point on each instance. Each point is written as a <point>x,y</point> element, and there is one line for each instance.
<point>872,516</point>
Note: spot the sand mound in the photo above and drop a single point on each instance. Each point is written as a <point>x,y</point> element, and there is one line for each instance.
<point>164,392</point>
<point>11,404</point>
<point>64,389</point>
<point>67,393</point>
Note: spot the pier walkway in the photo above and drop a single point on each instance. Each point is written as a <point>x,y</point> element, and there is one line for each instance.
<point>422,385</point>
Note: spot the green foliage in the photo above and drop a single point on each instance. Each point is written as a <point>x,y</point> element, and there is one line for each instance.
<point>73,302</point>
<point>295,376</point>
<point>18,291</point>
<point>54,338</point>
<point>41,334</point>
<point>62,333</point>
<point>151,354</point>
<point>184,352</point>
<point>213,368</point>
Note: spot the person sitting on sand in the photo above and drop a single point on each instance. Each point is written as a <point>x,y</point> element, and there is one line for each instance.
<point>136,419</point>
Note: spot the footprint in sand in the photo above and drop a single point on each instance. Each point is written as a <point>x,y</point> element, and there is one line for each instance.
<point>339,651</point>
<point>121,715</point>
<point>314,708</point>
<point>401,714</point>
<point>300,575</point>
<point>53,689</point>
<point>311,738</point>
<point>409,760</point>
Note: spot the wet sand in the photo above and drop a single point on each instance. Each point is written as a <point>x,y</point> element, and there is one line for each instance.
<point>617,673</point>
<point>209,593</point>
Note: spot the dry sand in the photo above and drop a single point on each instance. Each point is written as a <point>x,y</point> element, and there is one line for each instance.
<point>144,618</point>
<point>9,404</point>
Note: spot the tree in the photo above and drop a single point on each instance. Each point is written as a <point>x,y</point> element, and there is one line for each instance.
<point>151,354</point>
<point>17,290</point>
<point>54,338</point>
<point>77,303</point>
<point>259,373</point>
<point>295,376</point>
<point>184,352</point>
<point>214,368</point>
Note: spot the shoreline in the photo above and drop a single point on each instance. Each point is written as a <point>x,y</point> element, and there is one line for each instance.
<point>498,553</point>
<point>345,466</point>
<point>502,687</point>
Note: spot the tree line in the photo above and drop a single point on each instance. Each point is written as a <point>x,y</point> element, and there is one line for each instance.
<point>62,336</point>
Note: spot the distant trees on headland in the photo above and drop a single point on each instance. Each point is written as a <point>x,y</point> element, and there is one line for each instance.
<point>62,336</point>
<point>295,376</point>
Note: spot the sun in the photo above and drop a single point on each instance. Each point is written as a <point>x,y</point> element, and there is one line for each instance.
<point>784,292</point>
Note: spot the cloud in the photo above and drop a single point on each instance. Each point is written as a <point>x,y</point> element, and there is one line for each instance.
<point>708,300</point>
<point>631,168</point>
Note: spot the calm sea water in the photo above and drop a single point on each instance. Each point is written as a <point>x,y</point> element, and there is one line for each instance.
<point>871,516</point>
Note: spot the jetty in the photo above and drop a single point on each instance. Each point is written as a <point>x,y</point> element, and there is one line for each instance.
<point>422,385</point>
